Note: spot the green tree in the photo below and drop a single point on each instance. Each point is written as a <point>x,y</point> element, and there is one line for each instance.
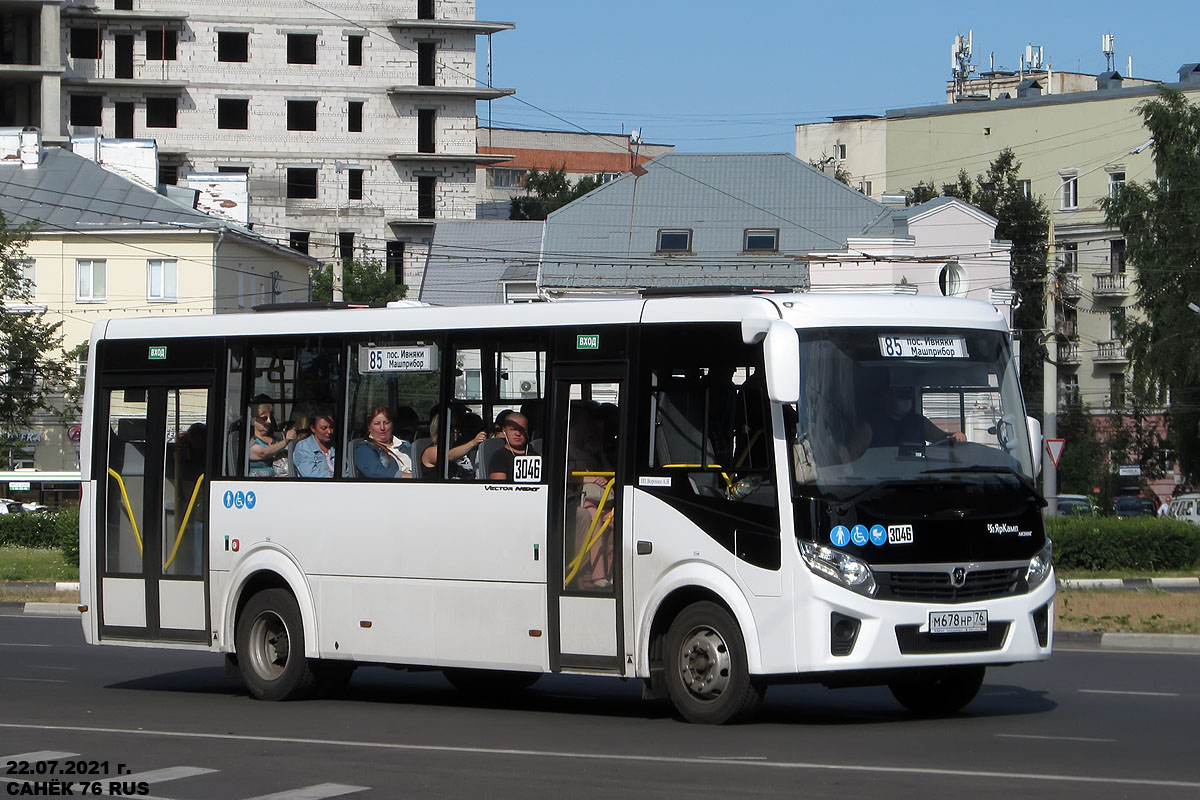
<point>34,374</point>
<point>549,191</point>
<point>1084,462</point>
<point>839,173</point>
<point>364,280</point>
<point>1024,221</point>
<point>1158,220</point>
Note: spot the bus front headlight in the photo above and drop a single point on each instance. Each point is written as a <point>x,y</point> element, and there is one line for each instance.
<point>838,567</point>
<point>1039,566</point>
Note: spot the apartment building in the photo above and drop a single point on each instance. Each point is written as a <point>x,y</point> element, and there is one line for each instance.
<point>353,121</point>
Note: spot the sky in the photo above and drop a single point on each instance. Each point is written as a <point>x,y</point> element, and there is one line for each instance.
<point>737,77</point>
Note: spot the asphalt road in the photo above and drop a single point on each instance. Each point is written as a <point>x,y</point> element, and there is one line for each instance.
<point>1098,723</point>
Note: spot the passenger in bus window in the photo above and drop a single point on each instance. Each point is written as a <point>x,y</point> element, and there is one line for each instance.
<point>268,450</point>
<point>893,421</point>
<point>516,443</point>
<point>314,454</point>
<point>467,432</point>
<point>498,425</point>
<point>380,454</point>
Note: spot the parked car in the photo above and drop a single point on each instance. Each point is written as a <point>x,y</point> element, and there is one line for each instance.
<point>1186,507</point>
<point>35,507</point>
<point>1128,506</point>
<point>1071,505</point>
<point>11,506</point>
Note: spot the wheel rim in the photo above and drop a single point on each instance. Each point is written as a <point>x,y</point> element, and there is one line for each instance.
<point>270,645</point>
<point>704,663</point>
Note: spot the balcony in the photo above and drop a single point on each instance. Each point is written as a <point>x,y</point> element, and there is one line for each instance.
<point>92,14</point>
<point>1069,285</point>
<point>449,158</point>
<point>1111,352</point>
<point>1069,355</point>
<point>1110,284</point>
<point>471,25</point>
<point>468,92</point>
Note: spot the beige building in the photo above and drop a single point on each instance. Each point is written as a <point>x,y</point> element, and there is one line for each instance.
<point>1075,150</point>
<point>105,246</point>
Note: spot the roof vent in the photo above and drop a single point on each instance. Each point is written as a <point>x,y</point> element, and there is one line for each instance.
<point>1109,80</point>
<point>894,199</point>
<point>1029,88</point>
<point>1189,73</point>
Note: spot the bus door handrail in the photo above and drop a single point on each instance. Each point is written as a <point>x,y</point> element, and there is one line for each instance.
<point>183,525</point>
<point>593,535</point>
<point>128,507</point>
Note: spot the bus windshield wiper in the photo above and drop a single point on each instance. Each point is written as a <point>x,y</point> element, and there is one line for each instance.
<point>1022,478</point>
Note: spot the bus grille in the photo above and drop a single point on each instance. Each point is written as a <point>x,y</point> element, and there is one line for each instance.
<point>913,642</point>
<point>983,584</point>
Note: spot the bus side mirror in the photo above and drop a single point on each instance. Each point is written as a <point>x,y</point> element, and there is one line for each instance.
<point>781,355</point>
<point>1035,443</point>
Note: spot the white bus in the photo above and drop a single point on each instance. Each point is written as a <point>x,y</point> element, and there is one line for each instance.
<point>714,494</point>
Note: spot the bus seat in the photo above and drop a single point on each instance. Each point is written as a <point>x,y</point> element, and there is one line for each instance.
<point>349,469</point>
<point>291,447</point>
<point>418,447</point>
<point>487,448</point>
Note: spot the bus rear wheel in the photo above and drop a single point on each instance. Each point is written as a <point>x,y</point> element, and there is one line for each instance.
<point>706,673</point>
<point>270,648</point>
<point>938,692</point>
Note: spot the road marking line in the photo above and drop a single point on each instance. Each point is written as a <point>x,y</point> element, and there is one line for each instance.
<point>1135,694</point>
<point>1054,738</point>
<point>734,758</point>
<point>38,755</point>
<point>1112,651</point>
<point>22,644</point>
<point>35,680</point>
<point>615,757</point>
<point>318,792</point>
<point>167,774</point>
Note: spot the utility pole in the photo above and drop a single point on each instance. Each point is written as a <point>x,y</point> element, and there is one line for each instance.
<point>1050,379</point>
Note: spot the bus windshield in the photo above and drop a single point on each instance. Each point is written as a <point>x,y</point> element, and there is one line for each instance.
<point>886,406</point>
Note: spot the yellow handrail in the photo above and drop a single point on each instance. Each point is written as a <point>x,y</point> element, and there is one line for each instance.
<point>128,507</point>
<point>187,515</point>
<point>593,535</point>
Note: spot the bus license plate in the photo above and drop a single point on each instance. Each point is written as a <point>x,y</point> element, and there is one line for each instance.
<point>958,621</point>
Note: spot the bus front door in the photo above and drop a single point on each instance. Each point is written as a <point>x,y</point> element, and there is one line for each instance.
<point>153,466</point>
<point>586,521</point>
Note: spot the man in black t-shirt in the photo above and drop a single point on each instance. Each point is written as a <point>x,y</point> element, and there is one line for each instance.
<point>516,443</point>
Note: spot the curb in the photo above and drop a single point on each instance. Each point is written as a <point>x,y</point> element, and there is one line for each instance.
<point>1171,584</point>
<point>47,586</point>
<point>1131,641</point>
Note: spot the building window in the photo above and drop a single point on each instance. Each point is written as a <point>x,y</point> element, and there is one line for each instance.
<point>426,124</point>
<point>1025,187</point>
<point>161,279</point>
<point>123,112</point>
<point>1070,256</point>
<point>426,58</point>
<point>86,110</point>
<point>85,42</point>
<point>123,5</point>
<point>1116,256</point>
<point>345,245</point>
<point>355,54</point>
<point>840,151</point>
<point>233,114</point>
<point>1116,323</point>
<point>234,169</point>
<point>354,122</point>
<point>301,48</point>
<point>395,261</point>
<point>302,183</point>
<point>29,276</point>
<point>865,187</point>
<point>425,9</point>
<point>301,115</point>
<point>674,240</point>
<point>168,174</point>
<point>161,45</point>
<point>760,239</point>
<point>505,178</point>
<point>426,196</point>
<point>952,280</point>
<point>1070,322</point>
<point>1069,390</point>
<point>607,177</point>
<point>1116,390</point>
<point>90,285</point>
<point>1116,180</point>
<point>298,241</point>
<point>233,46</point>
<point>161,112</point>
<point>1070,193</point>
<point>355,183</point>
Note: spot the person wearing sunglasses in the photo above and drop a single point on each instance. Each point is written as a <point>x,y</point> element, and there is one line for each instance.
<point>265,446</point>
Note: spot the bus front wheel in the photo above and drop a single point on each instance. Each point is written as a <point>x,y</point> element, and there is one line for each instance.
<point>938,692</point>
<point>270,647</point>
<point>706,673</point>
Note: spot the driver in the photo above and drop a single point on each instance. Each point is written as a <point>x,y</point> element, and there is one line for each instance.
<point>894,421</point>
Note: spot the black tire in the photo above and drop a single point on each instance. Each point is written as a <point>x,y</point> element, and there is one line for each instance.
<point>490,682</point>
<point>270,648</point>
<point>938,692</point>
<point>706,674</point>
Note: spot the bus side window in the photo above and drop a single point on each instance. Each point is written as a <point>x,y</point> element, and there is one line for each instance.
<point>233,465</point>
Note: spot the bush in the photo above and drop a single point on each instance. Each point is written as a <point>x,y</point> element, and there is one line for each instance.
<point>59,530</point>
<point>1137,543</point>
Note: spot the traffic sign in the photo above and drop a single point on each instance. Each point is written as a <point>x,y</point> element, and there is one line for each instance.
<point>1055,448</point>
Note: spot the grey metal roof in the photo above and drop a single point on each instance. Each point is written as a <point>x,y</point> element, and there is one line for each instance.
<point>469,258</point>
<point>67,192</point>
<point>608,238</point>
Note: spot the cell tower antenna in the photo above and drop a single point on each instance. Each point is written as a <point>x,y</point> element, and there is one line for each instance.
<point>960,62</point>
<point>1108,47</point>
